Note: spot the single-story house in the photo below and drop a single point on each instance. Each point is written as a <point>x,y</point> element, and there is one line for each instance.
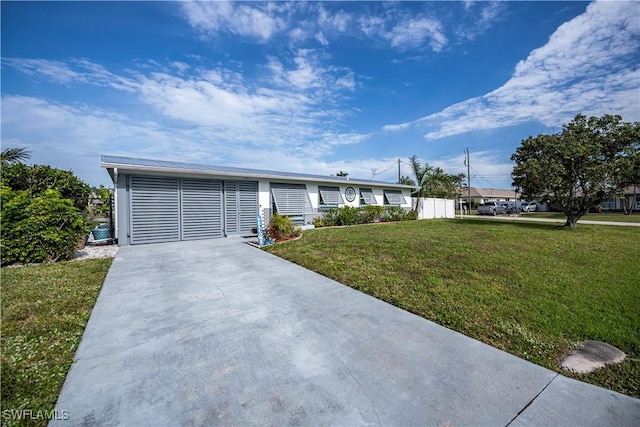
<point>631,198</point>
<point>482,195</point>
<point>163,201</point>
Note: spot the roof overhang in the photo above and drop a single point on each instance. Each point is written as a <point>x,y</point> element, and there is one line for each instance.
<point>115,168</point>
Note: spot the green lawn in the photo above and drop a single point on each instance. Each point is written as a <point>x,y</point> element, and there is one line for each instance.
<point>44,311</point>
<point>534,290</point>
<point>602,216</point>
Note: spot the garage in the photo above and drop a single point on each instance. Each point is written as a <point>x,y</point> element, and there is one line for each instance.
<point>168,209</point>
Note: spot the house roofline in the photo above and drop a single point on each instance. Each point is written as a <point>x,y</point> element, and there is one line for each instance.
<point>210,170</point>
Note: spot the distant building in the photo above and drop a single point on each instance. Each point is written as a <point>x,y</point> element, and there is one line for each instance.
<point>482,195</point>
<point>631,196</point>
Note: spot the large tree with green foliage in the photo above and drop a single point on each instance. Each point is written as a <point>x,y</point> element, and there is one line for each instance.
<point>591,160</point>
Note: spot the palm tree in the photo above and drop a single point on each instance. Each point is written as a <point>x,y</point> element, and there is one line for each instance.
<point>405,180</point>
<point>422,174</point>
<point>14,155</point>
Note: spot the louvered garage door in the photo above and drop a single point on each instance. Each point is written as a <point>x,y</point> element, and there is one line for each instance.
<point>155,210</point>
<point>201,209</point>
<point>241,206</point>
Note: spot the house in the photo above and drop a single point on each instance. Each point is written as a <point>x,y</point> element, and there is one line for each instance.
<point>163,201</point>
<point>482,195</point>
<point>631,198</point>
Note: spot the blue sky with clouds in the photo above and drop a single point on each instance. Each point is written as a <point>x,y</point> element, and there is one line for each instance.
<point>310,87</point>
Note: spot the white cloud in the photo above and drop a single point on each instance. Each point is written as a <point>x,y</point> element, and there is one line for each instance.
<point>322,39</point>
<point>588,66</point>
<point>211,17</point>
<point>403,31</point>
<point>413,33</point>
<point>308,72</point>
<point>481,20</point>
<point>191,114</point>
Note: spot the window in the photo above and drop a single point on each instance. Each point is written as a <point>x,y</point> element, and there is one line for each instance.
<point>394,198</point>
<point>290,199</point>
<point>330,197</point>
<point>367,197</point>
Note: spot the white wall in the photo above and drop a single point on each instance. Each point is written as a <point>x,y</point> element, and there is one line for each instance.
<point>431,208</point>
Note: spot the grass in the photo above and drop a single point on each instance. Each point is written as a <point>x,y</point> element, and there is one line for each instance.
<point>44,312</point>
<point>534,290</point>
<point>601,216</point>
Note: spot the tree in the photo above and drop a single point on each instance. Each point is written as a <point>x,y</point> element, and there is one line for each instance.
<point>14,155</point>
<point>421,174</point>
<point>405,180</point>
<point>589,161</point>
<point>444,185</point>
<point>37,179</point>
<point>433,182</point>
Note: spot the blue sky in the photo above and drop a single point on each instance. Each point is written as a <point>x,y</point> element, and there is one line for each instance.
<point>310,87</point>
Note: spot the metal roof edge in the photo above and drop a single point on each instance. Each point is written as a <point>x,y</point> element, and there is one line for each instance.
<point>272,175</point>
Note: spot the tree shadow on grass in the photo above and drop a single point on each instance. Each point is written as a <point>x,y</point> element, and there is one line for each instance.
<point>516,223</point>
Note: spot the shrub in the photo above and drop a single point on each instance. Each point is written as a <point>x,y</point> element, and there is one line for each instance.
<point>396,213</point>
<point>373,213</point>
<point>281,228</point>
<point>348,215</point>
<point>37,179</point>
<point>38,229</point>
<point>318,222</point>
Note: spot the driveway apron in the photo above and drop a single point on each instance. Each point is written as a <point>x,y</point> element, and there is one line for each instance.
<point>217,332</point>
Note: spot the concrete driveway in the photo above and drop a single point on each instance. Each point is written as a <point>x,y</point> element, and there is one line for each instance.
<point>217,332</point>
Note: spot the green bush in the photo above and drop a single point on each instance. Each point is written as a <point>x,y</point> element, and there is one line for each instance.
<point>38,229</point>
<point>318,222</point>
<point>373,213</point>
<point>37,179</point>
<point>347,215</point>
<point>281,228</point>
<point>396,213</point>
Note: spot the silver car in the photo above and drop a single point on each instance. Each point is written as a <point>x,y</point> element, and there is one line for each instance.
<point>528,207</point>
<point>492,208</point>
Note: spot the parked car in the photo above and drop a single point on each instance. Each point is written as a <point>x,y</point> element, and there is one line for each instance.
<point>528,206</point>
<point>491,208</point>
<point>511,207</point>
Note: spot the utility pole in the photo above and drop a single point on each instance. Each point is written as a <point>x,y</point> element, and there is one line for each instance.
<point>466,162</point>
<point>399,177</point>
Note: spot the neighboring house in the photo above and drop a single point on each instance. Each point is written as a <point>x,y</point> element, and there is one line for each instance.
<point>482,195</point>
<point>160,201</point>
<point>631,196</point>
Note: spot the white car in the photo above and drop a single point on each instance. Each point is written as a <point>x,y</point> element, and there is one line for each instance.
<point>528,206</point>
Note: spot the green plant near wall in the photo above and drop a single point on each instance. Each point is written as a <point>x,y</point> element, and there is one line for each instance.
<point>281,228</point>
<point>348,215</point>
<point>38,229</point>
<point>373,213</point>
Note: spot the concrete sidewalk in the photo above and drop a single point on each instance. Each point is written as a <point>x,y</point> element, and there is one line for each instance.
<point>217,332</point>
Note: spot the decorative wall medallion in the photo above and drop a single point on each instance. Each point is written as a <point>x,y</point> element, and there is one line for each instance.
<point>350,194</point>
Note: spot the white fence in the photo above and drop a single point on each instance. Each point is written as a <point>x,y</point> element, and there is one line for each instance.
<point>430,208</point>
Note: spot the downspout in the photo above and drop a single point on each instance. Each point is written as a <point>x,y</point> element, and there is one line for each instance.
<point>115,205</point>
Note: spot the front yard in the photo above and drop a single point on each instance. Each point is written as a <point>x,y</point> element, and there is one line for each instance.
<point>44,311</point>
<point>534,290</point>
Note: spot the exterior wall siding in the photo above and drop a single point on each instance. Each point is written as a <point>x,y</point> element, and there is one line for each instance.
<point>264,198</point>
